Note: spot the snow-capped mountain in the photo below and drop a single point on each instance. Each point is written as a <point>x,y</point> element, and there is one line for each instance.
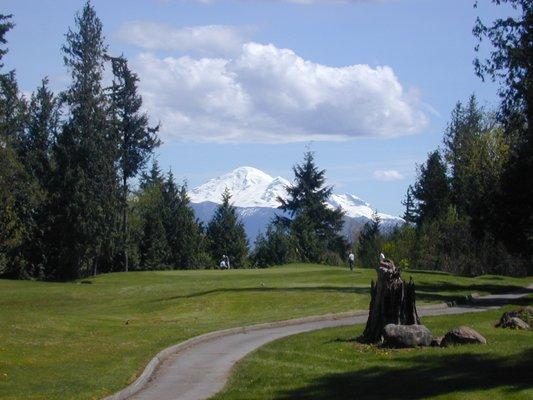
<point>249,187</point>
<point>255,193</point>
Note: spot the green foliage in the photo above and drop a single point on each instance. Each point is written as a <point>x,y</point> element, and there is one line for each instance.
<point>226,235</point>
<point>432,191</point>
<point>184,234</point>
<point>164,231</point>
<point>399,245</point>
<point>313,227</point>
<point>369,244</point>
<point>410,215</point>
<point>135,139</point>
<point>19,194</point>
<point>510,63</point>
<point>85,187</point>
<point>456,203</point>
<point>275,247</point>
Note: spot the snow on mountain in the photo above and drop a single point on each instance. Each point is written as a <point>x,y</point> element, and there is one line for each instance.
<point>254,194</point>
<point>355,207</point>
<point>249,187</point>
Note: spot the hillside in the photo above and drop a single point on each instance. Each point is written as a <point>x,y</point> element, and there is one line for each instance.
<point>86,339</point>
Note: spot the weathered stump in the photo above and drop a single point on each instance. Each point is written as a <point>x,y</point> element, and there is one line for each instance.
<point>392,302</point>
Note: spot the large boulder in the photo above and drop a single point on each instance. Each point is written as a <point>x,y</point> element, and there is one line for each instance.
<point>516,323</point>
<point>406,336</point>
<point>462,335</point>
<point>516,319</point>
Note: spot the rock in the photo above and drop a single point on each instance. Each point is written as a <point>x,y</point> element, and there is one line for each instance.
<point>462,335</point>
<point>515,319</point>
<point>517,323</point>
<point>406,335</point>
<point>436,342</point>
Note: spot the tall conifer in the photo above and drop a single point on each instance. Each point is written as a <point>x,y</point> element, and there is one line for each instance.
<point>136,139</point>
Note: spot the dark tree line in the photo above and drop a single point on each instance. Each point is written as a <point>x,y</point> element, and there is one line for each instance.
<point>470,210</point>
<point>67,162</point>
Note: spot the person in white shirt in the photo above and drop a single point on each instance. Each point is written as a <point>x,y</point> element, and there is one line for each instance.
<point>351,260</point>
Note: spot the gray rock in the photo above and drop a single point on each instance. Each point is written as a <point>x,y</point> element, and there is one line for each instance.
<point>517,323</point>
<point>436,342</point>
<point>515,319</point>
<point>462,335</point>
<point>406,336</point>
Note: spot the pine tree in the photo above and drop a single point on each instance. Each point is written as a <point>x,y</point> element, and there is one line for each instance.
<point>42,128</point>
<point>368,248</point>
<point>18,194</point>
<point>314,226</point>
<point>182,229</point>
<point>410,215</point>
<point>226,235</point>
<point>85,184</point>
<point>153,247</point>
<point>510,62</point>
<point>431,190</point>
<point>35,151</point>
<point>275,247</point>
<point>136,140</point>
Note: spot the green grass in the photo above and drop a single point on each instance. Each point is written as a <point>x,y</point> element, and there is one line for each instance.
<point>84,341</point>
<point>330,364</point>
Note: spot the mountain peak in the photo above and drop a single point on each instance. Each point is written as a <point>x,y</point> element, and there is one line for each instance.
<point>256,193</point>
<point>249,187</point>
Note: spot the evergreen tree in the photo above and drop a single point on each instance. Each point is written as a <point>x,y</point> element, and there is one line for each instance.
<point>42,128</point>
<point>153,248</point>
<point>368,248</point>
<point>314,226</point>
<point>275,247</point>
<point>226,235</point>
<point>6,24</point>
<point>431,190</point>
<point>85,184</point>
<point>510,62</point>
<point>183,231</point>
<point>136,140</point>
<point>410,215</point>
<point>18,194</point>
<point>36,154</point>
<point>476,152</point>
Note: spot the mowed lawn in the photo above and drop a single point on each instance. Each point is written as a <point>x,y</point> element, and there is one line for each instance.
<point>330,365</point>
<point>84,341</point>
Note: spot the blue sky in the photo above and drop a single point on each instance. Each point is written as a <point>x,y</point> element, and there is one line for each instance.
<point>368,85</point>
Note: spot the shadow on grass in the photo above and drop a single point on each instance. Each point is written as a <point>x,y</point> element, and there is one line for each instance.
<point>446,291</point>
<point>439,291</point>
<point>422,376</point>
<point>339,289</point>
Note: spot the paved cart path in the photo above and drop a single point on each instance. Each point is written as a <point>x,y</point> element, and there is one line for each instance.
<point>200,369</point>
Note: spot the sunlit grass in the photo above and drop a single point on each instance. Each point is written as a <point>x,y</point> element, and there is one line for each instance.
<point>83,341</point>
<point>330,364</point>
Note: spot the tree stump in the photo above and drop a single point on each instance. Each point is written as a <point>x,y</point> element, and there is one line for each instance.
<point>392,302</point>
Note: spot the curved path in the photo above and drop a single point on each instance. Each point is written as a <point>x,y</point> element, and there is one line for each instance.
<point>199,368</point>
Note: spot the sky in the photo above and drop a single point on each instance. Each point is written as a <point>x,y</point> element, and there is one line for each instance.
<point>368,85</point>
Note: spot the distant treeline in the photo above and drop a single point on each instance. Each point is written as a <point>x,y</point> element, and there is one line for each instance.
<point>471,209</point>
<point>67,160</point>
<point>66,163</point>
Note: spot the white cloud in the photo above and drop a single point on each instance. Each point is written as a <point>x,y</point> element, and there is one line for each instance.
<point>388,175</point>
<point>208,40</point>
<point>271,95</point>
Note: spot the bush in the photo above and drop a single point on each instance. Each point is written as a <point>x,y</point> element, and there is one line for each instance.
<point>331,258</point>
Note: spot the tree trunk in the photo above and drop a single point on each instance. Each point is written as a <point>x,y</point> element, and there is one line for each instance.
<point>125,221</point>
<point>392,302</point>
